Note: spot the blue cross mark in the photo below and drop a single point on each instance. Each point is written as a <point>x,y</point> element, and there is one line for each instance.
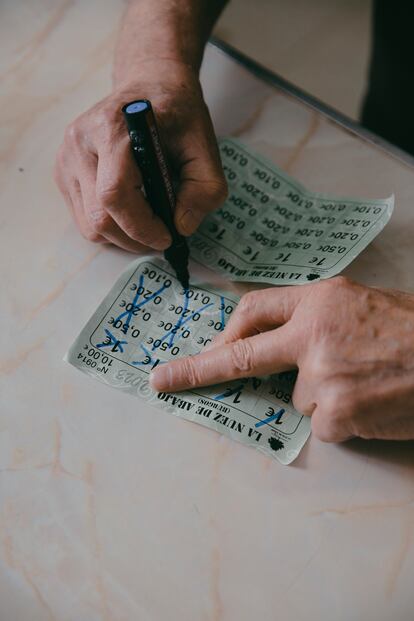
<point>147,360</point>
<point>173,333</point>
<point>274,417</point>
<point>222,315</point>
<point>135,306</point>
<point>113,342</point>
<point>229,392</point>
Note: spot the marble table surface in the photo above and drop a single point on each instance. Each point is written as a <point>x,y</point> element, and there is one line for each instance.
<point>111,510</point>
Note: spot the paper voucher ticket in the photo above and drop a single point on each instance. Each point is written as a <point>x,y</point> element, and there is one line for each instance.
<point>271,229</point>
<point>146,319</point>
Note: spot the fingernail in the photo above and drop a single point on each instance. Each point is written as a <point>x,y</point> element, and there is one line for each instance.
<point>161,378</point>
<point>162,244</point>
<point>188,222</point>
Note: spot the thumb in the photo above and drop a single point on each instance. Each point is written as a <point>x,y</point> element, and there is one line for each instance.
<point>202,185</point>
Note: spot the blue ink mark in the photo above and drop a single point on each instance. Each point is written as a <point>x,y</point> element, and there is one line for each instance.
<point>229,392</point>
<point>179,322</point>
<point>150,360</point>
<point>151,297</point>
<point>277,416</point>
<point>173,330</point>
<point>135,306</point>
<point>146,351</point>
<point>134,302</point>
<point>222,318</point>
<point>113,341</point>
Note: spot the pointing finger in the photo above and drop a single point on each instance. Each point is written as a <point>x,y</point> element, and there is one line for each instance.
<point>257,355</point>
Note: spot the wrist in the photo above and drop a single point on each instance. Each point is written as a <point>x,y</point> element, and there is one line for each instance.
<point>169,85</point>
<point>158,72</point>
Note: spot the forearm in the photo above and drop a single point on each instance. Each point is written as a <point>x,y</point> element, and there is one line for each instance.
<point>163,31</point>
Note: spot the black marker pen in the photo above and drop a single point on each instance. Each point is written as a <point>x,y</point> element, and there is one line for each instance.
<point>148,154</point>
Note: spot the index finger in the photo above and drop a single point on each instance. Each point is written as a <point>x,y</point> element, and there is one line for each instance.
<point>118,192</point>
<point>263,354</point>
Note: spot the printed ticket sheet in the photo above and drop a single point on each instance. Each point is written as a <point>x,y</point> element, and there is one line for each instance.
<point>147,319</point>
<point>271,229</point>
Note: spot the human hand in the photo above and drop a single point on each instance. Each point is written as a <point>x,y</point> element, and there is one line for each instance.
<point>100,181</point>
<point>353,346</point>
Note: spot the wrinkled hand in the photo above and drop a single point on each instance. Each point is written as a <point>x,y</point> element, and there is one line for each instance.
<point>101,183</point>
<point>353,346</point>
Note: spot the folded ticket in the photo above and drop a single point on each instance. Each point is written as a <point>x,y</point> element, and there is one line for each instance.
<point>271,229</point>
<point>147,319</point>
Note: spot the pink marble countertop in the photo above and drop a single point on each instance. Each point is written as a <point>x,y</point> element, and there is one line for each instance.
<point>110,510</point>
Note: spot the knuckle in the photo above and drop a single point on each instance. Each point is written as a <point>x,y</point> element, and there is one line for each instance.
<point>318,365</point>
<point>101,223</point>
<point>339,402</point>
<point>91,236</point>
<point>142,234</point>
<point>242,356</point>
<point>141,228</point>
<point>103,116</point>
<point>109,194</point>
<point>332,290</point>
<point>339,283</point>
<point>73,133</point>
<point>248,303</point>
<point>330,399</point>
<point>217,190</point>
<point>106,116</point>
<point>190,372</point>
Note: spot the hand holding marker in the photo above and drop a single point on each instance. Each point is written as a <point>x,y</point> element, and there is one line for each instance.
<point>149,156</point>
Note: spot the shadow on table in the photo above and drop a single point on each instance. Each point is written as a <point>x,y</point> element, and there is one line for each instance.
<point>397,453</point>
<point>387,452</point>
